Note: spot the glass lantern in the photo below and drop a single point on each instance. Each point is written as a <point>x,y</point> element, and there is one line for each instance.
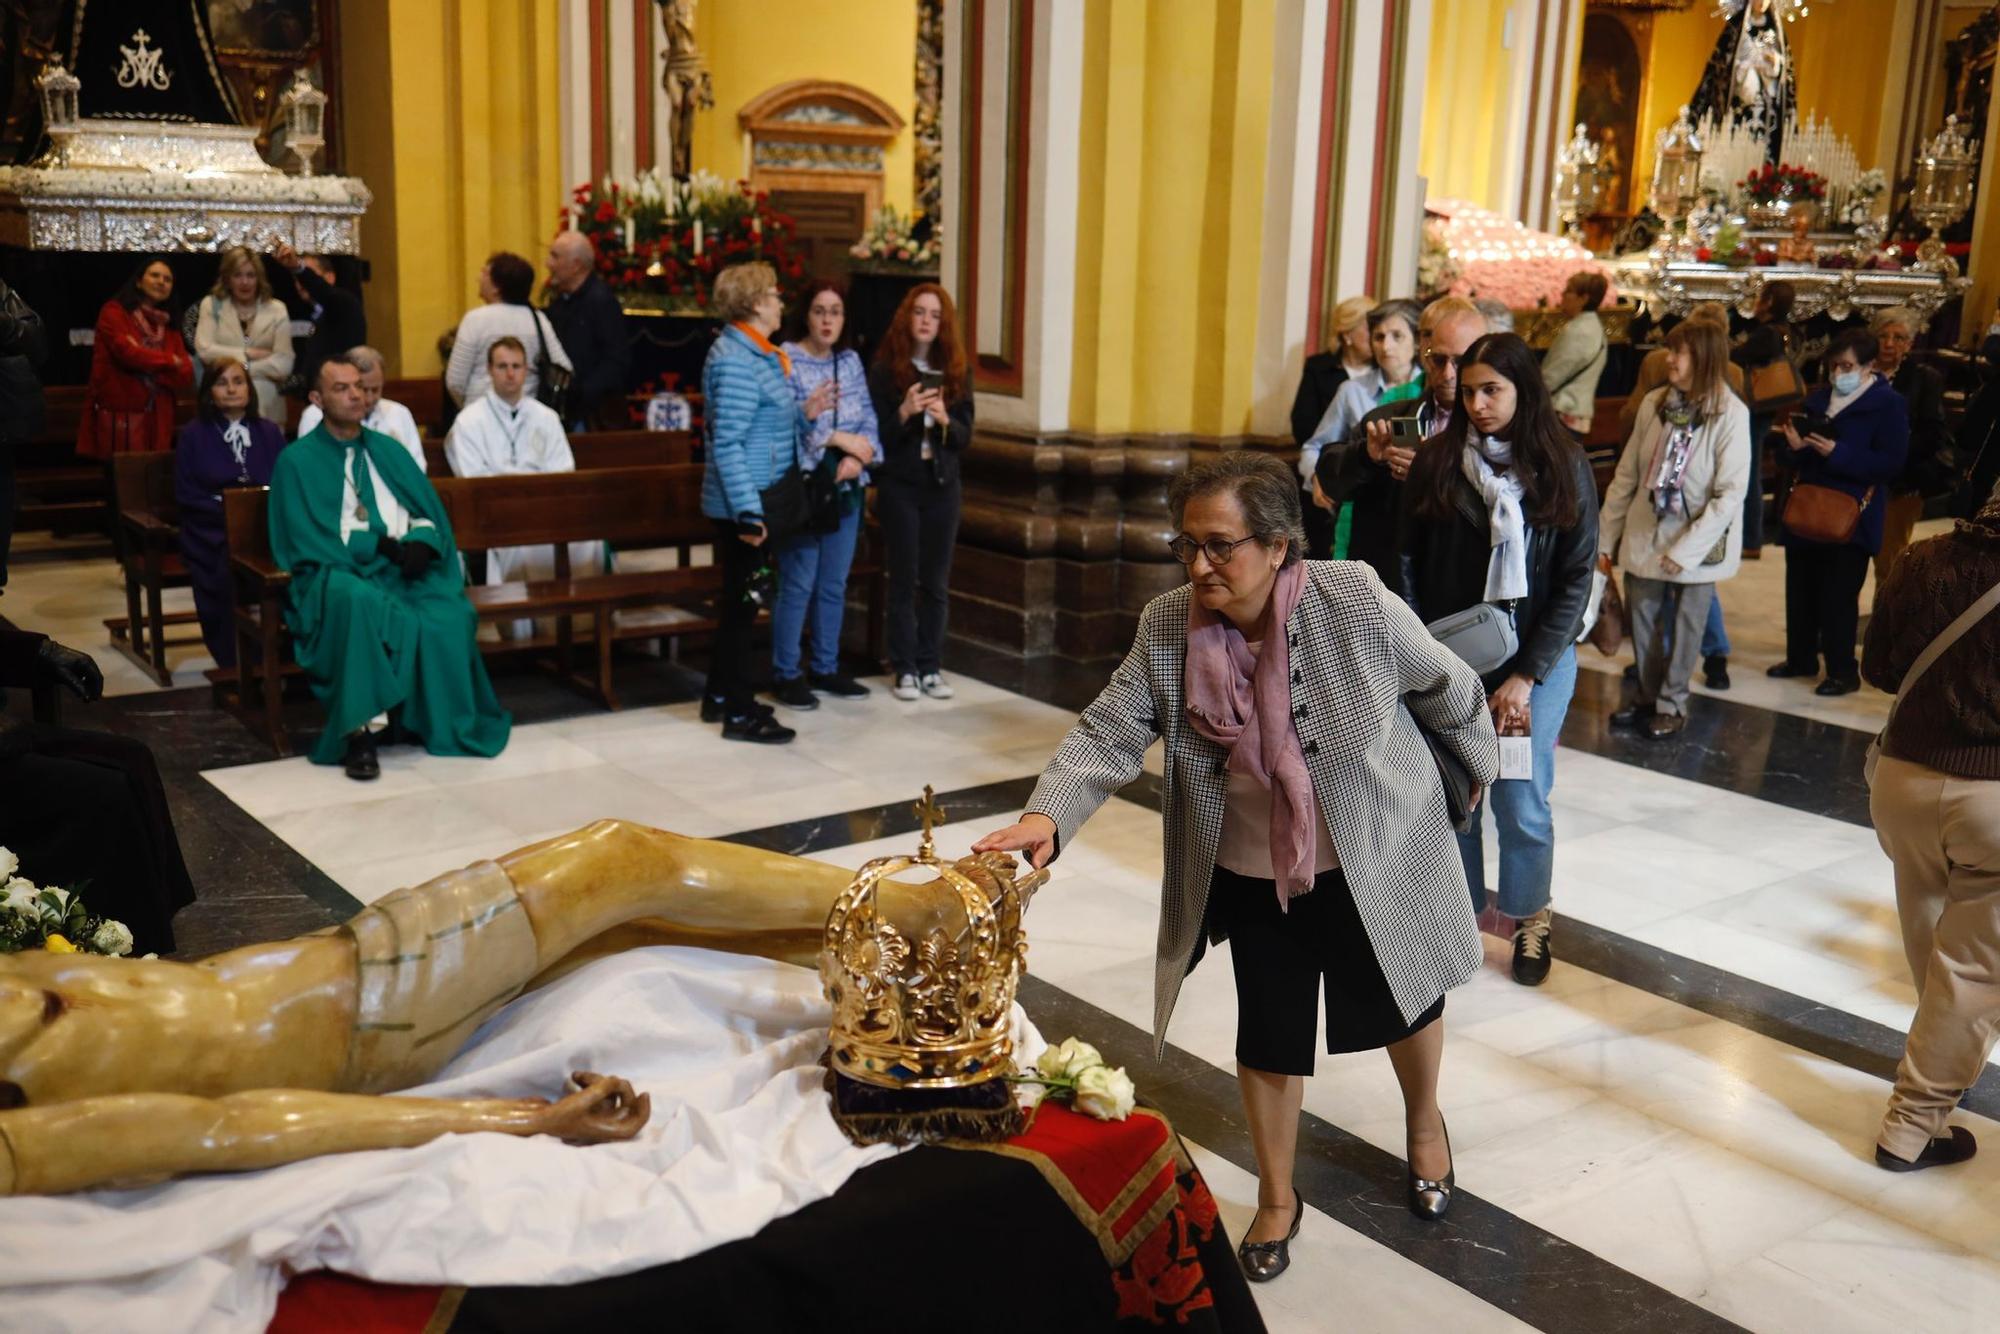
<point>1578,191</point>
<point>305,119</point>
<point>1942,191</point>
<point>59,89</point>
<point>1676,180</point>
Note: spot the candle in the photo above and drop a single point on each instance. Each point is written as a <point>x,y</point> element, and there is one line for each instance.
<point>697,236</point>
<point>757,228</point>
<point>630,233</point>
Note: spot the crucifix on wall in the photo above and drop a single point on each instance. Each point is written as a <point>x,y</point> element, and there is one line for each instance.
<point>686,82</point>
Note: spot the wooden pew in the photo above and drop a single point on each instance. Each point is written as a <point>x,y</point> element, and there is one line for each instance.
<point>636,507</point>
<point>597,450</point>
<point>424,397</point>
<point>148,540</point>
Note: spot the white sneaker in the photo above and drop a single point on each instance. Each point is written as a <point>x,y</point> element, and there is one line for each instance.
<point>905,687</point>
<point>934,685</point>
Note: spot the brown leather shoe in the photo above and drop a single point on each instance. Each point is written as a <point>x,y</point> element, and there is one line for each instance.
<point>1663,725</point>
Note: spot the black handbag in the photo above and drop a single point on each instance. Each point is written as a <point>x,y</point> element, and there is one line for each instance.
<point>803,500</point>
<point>552,382</point>
<point>1456,779</point>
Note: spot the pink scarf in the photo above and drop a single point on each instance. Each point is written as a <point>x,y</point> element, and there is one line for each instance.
<point>1244,703</point>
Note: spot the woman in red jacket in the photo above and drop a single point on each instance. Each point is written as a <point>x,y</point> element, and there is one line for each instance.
<point>137,364</point>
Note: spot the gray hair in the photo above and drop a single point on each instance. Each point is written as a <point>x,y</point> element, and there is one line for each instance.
<point>1266,489</point>
<point>1499,316</point>
<point>1902,315</point>
<point>364,358</point>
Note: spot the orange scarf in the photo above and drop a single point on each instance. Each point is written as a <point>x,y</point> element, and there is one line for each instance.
<point>764,344</point>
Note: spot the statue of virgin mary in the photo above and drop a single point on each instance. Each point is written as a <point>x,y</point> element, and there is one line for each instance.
<point>1749,82</point>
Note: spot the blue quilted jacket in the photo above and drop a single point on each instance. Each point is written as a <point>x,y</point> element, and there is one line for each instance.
<point>754,426</point>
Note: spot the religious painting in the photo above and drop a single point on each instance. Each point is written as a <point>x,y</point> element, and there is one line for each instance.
<point>287,28</point>
<point>1607,103</point>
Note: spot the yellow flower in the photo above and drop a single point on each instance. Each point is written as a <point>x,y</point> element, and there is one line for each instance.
<point>55,944</point>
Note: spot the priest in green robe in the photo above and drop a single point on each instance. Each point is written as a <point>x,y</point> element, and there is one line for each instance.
<point>378,613</point>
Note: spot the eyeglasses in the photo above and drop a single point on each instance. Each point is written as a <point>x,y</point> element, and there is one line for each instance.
<point>1437,361</point>
<point>1220,551</point>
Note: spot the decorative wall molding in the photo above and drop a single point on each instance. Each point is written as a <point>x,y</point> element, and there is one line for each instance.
<point>820,136</point>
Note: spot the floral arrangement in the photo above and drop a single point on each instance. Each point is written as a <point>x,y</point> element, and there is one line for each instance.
<point>1436,269</point>
<point>40,917</point>
<point>1075,1072</point>
<point>661,241</point>
<point>1784,181</point>
<point>891,241</point>
<point>1861,196</point>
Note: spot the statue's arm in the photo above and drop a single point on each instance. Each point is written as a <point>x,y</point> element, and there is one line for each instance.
<point>134,1139</point>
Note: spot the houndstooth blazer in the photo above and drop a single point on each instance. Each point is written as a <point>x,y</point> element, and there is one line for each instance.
<point>1362,665</point>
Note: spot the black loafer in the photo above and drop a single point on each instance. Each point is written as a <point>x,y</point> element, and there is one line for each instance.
<point>1716,671</point>
<point>1263,1261</point>
<point>1837,685</point>
<point>1940,1152</point>
<point>840,686</point>
<point>761,728</point>
<point>1784,670</point>
<point>1663,725</point>
<point>1632,715</point>
<point>361,762</point>
<point>1431,1200</point>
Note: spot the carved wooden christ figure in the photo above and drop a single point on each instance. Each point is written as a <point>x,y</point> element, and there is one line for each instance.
<point>123,1072</point>
<point>685,81</point>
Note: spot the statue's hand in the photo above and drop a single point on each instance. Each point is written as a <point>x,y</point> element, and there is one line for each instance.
<point>603,1109</point>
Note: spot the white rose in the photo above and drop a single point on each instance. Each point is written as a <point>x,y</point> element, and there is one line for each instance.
<point>111,938</point>
<point>1104,1093</point>
<point>9,864</point>
<point>62,898</point>
<point>1068,1060</point>
<point>19,896</point>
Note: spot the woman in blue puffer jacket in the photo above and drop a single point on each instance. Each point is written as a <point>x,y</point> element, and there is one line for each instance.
<point>754,427</point>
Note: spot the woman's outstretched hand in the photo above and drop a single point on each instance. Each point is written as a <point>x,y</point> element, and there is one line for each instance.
<point>1033,834</point>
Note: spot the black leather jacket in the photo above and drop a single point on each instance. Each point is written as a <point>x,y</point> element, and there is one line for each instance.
<point>1444,570</point>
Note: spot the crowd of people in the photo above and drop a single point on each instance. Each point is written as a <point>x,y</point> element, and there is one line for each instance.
<point>1336,730</point>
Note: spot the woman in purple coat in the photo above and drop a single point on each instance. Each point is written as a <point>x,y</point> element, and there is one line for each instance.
<point>227,444</point>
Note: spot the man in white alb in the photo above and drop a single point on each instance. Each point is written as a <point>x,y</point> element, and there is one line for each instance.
<point>506,433</point>
<point>385,415</point>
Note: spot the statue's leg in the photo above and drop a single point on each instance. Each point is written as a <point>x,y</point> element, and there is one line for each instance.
<point>132,1139</point>
<point>692,891</point>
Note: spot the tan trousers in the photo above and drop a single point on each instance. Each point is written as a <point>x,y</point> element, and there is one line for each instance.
<point>1943,834</point>
<point>1899,519</point>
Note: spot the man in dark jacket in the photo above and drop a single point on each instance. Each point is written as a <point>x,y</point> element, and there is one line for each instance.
<point>23,346</point>
<point>590,324</point>
<point>1929,457</point>
<point>311,293</point>
<point>1368,473</point>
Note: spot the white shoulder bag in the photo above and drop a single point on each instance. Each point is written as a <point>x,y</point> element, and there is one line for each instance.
<point>1950,635</point>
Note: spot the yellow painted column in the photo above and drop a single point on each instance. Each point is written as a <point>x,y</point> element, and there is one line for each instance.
<point>454,121</point>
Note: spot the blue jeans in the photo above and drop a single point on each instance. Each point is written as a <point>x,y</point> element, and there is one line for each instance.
<point>812,586</point>
<point>1520,808</point>
<point>1714,637</point>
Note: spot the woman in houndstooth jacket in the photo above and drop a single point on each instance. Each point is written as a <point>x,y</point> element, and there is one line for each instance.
<point>1303,816</point>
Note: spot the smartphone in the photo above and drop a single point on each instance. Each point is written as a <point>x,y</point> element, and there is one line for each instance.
<point>1813,423</point>
<point>1403,430</point>
<point>930,379</point>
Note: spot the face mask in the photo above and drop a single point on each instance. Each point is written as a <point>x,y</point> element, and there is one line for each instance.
<point>1846,382</point>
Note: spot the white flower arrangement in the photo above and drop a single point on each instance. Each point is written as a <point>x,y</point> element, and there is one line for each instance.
<point>47,918</point>
<point>1075,1072</point>
<point>891,239</point>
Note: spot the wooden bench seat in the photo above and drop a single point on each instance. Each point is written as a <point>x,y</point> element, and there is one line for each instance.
<point>148,540</point>
<point>597,450</point>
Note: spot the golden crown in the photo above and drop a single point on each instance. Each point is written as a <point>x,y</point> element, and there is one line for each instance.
<point>928,1013</point>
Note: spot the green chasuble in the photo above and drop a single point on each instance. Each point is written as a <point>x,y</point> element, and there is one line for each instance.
<point>369,639</point>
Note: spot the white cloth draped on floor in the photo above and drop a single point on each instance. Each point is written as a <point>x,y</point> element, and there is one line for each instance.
<point>740,1134</point>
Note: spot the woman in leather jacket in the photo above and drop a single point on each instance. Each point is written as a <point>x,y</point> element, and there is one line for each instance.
<point>1499,507</point>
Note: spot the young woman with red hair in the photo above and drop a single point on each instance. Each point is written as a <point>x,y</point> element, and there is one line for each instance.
<point>923,404</point>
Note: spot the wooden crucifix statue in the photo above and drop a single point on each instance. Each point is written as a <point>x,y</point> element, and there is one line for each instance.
<point>685,80</point>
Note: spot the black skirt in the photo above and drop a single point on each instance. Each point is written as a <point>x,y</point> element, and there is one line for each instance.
<point>1285,959</point>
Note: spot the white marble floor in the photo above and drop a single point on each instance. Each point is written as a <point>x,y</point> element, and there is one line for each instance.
<point>1723,1165</point>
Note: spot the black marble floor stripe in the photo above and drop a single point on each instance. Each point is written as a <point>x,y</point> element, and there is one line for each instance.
<point>802,838</point>
<point>1532,1274</point>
